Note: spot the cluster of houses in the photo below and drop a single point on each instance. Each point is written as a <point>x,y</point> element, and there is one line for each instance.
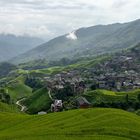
<point>120,73</point>
<point>119,82</point>
<point>73,79</point>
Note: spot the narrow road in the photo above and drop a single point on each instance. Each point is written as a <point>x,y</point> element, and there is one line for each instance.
<point>23,108</point>
<point>49,93</point>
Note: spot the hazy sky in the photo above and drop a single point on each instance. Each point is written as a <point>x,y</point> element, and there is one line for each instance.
<point>50,18</point>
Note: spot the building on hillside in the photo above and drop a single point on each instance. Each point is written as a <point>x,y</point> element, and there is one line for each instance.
<point>83,103</point>
<point>57,106</point>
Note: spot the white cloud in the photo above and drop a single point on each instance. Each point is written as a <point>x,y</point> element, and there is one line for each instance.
<point>72,36</point>
<point>47,18</point>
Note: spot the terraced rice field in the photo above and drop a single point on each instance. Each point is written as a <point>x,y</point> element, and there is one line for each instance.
<point>88,124</point>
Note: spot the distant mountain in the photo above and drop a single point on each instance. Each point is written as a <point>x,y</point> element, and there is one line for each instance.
<point>6,68</point>
<point>86,42</point>
<point>11,45</point>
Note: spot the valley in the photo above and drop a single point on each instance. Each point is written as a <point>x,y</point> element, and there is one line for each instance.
<point>69,88</point>
<point>98,77</point>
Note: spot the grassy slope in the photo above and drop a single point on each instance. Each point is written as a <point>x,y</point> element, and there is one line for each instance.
<point>17,89</point>
<point>97,124</point>
<point>39,101</point>
<point>98,96</point>
<point>89,62</point>
<point>8,108</point>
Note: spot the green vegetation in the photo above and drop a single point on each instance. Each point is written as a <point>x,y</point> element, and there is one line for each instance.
<point>17,88</point>
<point>123,100</point>
<point>39,101</point>
<point>8,108</point>
<point>36,64</point>
<point>77,64</point>
<point>6,68</point>
<point>52,70</point>
<point>4,97</point>
<point>97,124</point>
<point>34,83</point>
<point>110,96</point>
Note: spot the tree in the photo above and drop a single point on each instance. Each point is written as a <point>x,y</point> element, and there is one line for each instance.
<point>93,87</point>
<point>138,97</point>
<point>33,82</point>
<point>127,98</point>
<point>7,98</point>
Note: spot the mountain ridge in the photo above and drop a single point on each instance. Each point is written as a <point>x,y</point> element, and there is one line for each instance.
<point>12,45</point>
<point>90,41</point>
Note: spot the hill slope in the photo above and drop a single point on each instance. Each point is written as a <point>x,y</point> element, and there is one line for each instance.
<point>39,101</point>
<point>11,45</point>
<point>6,68</point>
<point>17,88</point>
<point>97,124</point>
<point>8,108</point>
<point>86,42</point>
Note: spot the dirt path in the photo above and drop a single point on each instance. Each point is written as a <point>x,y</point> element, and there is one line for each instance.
<point>23,108</point>
<point>49,93</point>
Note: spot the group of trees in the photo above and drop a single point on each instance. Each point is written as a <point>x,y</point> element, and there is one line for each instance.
<point>127,104</point>
<point>121,105</point>
<point>4,97</point>
<point>34,83</point>
<point>43,63</point>
<point>65,93</point>
<point>62,62</point>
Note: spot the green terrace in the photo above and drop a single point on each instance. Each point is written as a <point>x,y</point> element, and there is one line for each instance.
<point>83,124</point>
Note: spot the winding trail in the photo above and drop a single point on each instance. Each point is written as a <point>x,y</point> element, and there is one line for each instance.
<point>23,108</point>
<point>49,93</point>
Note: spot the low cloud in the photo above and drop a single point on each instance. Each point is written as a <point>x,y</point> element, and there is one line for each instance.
<point>47,18</point>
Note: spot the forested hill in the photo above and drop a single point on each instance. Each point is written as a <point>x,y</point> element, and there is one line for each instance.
<point>86,42</point>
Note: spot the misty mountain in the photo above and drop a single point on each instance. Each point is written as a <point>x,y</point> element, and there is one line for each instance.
<point>86,42</point>
<point>11,45</point>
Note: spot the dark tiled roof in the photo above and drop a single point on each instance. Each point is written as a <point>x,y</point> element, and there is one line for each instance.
<point>82,100</point>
